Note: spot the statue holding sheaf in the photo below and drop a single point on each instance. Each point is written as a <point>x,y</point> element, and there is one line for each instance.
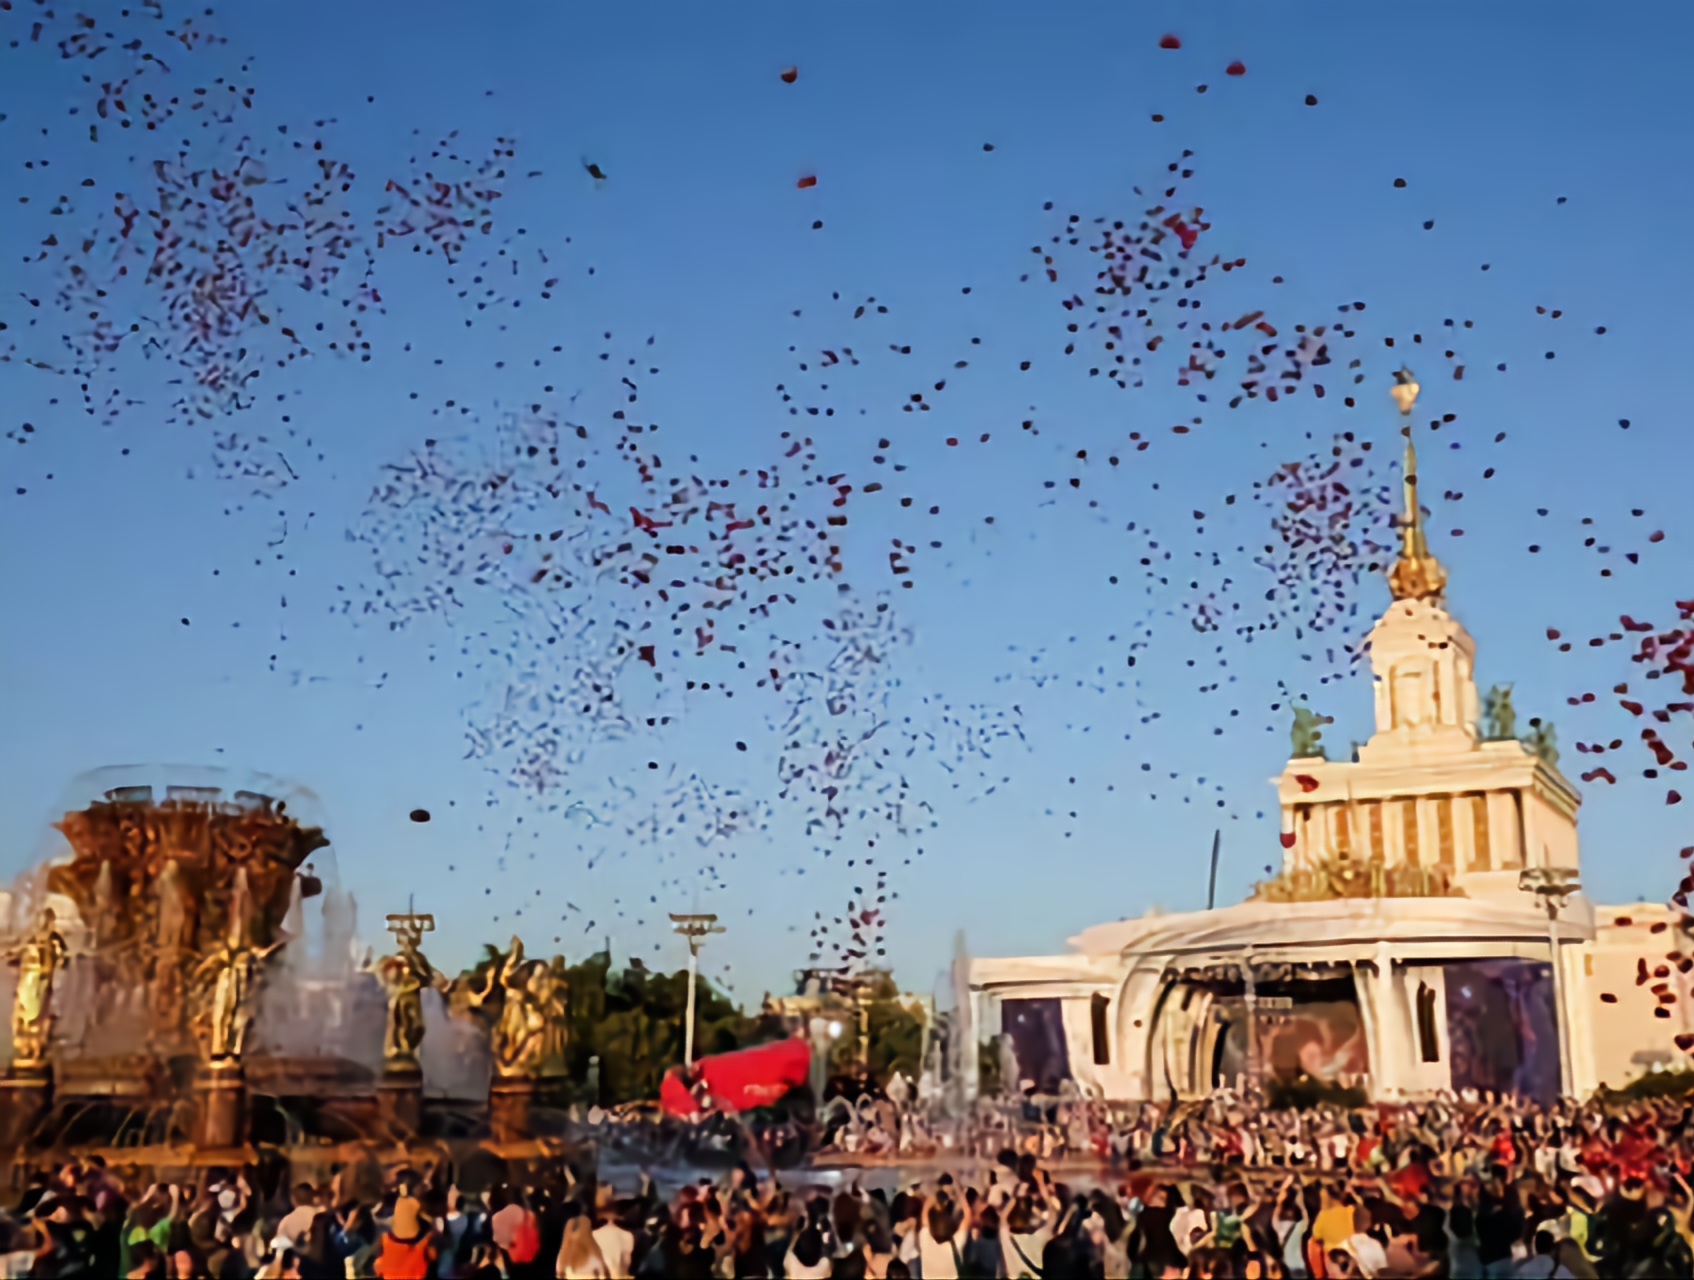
<point>406,975</point>
<point>227,1010</point>
<point>37,959</point>
<point>552,989</point>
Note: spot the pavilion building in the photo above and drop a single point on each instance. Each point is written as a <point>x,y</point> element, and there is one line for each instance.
<point>1429,888</point>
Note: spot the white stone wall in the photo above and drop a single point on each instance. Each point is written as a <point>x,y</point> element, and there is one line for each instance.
<point>1628,1039</point>
<point>1417,1077</point>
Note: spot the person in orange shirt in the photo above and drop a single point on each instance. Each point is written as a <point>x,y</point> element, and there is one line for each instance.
<point>408,1248</point>
<point>1331,1229</point>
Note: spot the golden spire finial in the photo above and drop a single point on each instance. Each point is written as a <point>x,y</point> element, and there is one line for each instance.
<point>1417,575</point>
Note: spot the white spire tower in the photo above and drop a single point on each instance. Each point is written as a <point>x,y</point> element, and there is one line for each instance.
<point>1423,659</point>
<point>1429,806</point>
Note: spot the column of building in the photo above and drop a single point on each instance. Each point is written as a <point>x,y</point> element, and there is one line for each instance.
<point>1388,1047</point>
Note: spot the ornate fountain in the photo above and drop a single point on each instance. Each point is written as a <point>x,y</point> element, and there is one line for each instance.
<point>133,1025</point>
<point>168,890</point>
<point>181,903</point>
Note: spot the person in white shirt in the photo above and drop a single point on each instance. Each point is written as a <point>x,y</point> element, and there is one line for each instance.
<point>19,1260</point>
<point>1544,1263</point>
<point>296,1224</point>
<point>1192,1221</point>
<point>617,1244</point>
<point>579,1257</point>
<point>1026,1228</point>
<point>908,1229</point>
<point>942,1239</point>
<point>807,1258</point>
<point>1368,1253</point>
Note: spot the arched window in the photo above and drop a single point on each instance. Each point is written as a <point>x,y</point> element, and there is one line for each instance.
<point>1428,1042</point>
<point>1102,1035</point>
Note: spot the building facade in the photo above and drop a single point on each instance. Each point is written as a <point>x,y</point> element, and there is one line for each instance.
<point>1402,948</point>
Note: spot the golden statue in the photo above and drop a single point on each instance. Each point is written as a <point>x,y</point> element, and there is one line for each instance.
<point>553,991</point>
<point>37,959</point>
<point>1340,877</point>
<point>1405,391</point>
<point>226,1016</point>
<point>1417,575</point>
<point>405,976</point>
<point>517,1035</point>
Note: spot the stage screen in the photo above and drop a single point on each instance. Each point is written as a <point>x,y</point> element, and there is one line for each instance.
<point>1316,1039</point>
<point>1037,1029</point>
<point>1501,1028</point>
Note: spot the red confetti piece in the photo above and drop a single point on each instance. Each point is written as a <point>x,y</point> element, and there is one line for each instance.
<point>791,75</point>
<point>1169,42</point>
<point>1236,69</point>
<point>807,182</point>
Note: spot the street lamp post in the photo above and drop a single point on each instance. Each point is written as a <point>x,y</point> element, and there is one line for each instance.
<point>825,1032</point>
<point>1250,989</point>
<point>696,928</point>
<point>853,988</point>
<point>1554,887</point>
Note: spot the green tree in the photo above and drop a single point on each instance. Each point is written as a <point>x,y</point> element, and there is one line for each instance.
<point>988,1069</point>
<point>896,1031</point>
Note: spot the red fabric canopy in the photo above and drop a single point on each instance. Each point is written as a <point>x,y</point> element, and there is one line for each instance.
<point>674,1096</point>
<point>740,1081</point>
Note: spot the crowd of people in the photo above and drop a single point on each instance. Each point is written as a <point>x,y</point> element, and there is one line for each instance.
<point>1457,1187</point>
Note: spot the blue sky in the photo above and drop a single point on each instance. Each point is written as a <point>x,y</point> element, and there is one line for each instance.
<point>700,238</point>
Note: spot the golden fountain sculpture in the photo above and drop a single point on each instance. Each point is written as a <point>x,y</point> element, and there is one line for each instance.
<point>183,900</point>
<point>37,959</point>
<point>226,990</point>
<point>405,976</point>
<point>529,1034</point>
